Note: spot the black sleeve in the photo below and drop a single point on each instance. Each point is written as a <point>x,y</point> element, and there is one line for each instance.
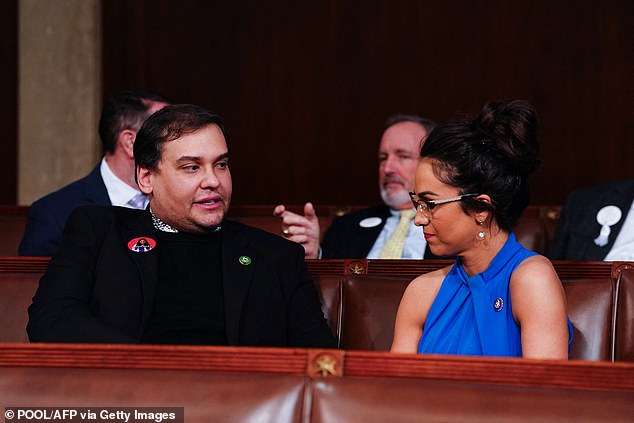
<point>60,311</point>
<point>307,325</point>
<point>334,243</point>
<point>42,233</point>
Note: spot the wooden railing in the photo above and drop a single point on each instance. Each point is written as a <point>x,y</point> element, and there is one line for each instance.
<point>304,385</point>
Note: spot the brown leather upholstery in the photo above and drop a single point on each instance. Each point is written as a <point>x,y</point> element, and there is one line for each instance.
<point>536,227</point>
<point>380,400</point>
<point>16,292</point>
<point>361,309</point>
<point>369,305</point>
<point>624,325</point>
<point>206,396</point>
<point>530,230</point>
<point>590,309</point>
<point>329,287</point>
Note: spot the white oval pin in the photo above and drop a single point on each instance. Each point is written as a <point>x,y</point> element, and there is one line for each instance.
<point>370,222</point>
<point>609,215</point>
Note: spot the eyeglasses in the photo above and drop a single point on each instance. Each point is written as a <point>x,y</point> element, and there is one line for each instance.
<point>425,207</point>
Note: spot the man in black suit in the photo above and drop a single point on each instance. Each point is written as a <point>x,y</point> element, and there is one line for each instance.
<point>111,182</point>
<point>363,234</point>
<point>177,272</point>
<point>597,223</point>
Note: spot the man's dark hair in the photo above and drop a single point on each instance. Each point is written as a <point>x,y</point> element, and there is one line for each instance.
<point>125,110</point>
<point>168,124</point>
<point>428,124</point>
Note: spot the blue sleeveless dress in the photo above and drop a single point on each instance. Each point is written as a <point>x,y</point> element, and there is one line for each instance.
<point>474,315</point>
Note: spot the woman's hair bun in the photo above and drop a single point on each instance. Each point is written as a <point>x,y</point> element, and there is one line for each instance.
<point>512,126</point>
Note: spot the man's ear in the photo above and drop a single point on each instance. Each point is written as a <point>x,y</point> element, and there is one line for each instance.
<point>144,179</point>
<point>125,141</point>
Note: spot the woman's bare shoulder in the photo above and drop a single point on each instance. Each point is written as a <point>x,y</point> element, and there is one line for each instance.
<point>535,268</point>
<point>429,282</point>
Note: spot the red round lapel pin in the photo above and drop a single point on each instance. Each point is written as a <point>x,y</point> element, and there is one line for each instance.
<point>142,244</point>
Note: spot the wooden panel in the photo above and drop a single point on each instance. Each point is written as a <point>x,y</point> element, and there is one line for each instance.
<point>498,371</point>
<point>306,109</point>
<point>24,264</point>
<point>565,269</point>
<point>305,87</point>
<point>12,223</point>
<point>9,100</point>
<point>16,293</point>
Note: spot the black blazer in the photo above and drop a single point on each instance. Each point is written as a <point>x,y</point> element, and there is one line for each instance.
<point>347,239</point>
<point>578,226</point>
<point>97,290</point>
<point>48,215</point>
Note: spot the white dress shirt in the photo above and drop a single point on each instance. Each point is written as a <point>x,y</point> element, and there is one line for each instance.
<point>118,191</point>
<point>415,243</point>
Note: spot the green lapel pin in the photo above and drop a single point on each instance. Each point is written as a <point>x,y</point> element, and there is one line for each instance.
<point>245,260</point>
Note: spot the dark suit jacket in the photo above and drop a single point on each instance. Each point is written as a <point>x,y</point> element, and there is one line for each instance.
<point>97,290</point>
<point>578,226</point>
<point>346,239</point>
<point>48,215</point>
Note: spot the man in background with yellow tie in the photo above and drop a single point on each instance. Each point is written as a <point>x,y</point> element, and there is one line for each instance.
<point>382,231</point>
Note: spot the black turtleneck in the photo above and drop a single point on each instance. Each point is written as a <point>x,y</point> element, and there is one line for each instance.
<point>188,305</point>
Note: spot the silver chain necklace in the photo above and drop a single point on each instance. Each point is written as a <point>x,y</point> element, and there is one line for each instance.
<point>164,227</point>
<point>160,225</point>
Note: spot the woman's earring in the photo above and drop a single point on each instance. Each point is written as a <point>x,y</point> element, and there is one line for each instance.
<point>481,234</point>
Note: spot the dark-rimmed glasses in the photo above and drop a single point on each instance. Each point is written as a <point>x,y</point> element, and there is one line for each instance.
<point>424,207</point>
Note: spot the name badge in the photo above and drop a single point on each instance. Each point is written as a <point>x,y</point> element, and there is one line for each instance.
<point>370,222</point>
<point>606,217</point>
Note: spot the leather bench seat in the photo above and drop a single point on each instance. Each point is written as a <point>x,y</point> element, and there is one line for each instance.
<point>206,396</point>
<point>370,303</point>
<point>361,309</point>
<point>16,291</point>
<point>624,320</point>
<point>379,400</point>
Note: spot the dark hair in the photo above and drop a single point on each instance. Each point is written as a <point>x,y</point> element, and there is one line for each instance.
<point>125,110</point>
<point>168,124</point>
<point>493,153</point>
<point>428,124</point>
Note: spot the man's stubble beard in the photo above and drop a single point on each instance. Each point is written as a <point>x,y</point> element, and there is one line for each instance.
<point>394,198</point>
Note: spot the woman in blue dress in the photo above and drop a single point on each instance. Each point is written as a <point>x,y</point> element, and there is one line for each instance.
<point>498,299</point>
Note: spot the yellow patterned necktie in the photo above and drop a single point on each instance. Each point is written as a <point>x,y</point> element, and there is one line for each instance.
<point>393,248</point>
